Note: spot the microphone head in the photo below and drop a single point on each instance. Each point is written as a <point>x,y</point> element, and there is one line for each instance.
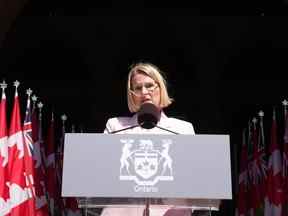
<point>148,115</point>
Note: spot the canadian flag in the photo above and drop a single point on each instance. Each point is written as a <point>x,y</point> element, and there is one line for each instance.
<point>20,169</point>
<point>4,192</point>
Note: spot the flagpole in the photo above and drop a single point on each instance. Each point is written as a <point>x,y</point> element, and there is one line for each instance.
<point>285,104</point>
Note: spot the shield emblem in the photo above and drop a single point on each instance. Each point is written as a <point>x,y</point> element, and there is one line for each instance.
<point>146,164</point>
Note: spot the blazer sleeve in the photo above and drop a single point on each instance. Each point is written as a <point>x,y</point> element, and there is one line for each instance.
<point>182,127</point>
<point>189,129</point>
<point>117,123</point>
<point>109,126</point>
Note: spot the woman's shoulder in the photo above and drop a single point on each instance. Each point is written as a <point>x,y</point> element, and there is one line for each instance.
<point>119,120</point>
<point>181,125</point>
<point>116,123</point>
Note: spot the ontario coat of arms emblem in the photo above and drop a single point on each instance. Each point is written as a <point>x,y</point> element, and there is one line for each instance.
<point>145,164</point>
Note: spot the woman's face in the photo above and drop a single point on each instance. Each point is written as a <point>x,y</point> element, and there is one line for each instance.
<point>145,90</point>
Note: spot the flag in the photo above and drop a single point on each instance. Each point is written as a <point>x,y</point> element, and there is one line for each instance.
<point>258,170</point>
<point>71,207</point>
<point>39,169</point>
<point>60,204</point>
<point>39,135</point>
<point>28,157</point>
<point>242,206</point>
<point>250,145</point>
<point>4,192</point>
<point>273,201</point>
<point>21,182</point>
<point>50,166</point>
<point>285,168</point>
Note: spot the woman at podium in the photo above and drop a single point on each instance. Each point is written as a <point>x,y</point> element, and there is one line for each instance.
<point>147,97</point>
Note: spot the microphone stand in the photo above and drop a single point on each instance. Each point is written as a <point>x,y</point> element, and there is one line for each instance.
<point>123,129</point>
<point>154,125</point>
<point>146,210</point>
<point>165,129</point>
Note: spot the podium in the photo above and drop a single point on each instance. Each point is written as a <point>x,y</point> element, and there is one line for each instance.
<point>145,171</point>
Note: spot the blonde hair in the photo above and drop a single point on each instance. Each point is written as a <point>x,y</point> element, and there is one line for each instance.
<point>153,72</point>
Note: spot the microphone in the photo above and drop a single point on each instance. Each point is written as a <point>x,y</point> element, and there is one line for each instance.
<point>148,116</point>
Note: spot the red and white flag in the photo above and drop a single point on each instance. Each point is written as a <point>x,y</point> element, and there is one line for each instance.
<point>21,180</point>
<point>273,200</point>
<point>4,190</point>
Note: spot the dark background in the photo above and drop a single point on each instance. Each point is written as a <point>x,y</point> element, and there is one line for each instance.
<point>223,66</point>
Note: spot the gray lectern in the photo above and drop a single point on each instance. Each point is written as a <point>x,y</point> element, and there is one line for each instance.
<point>122,170</point>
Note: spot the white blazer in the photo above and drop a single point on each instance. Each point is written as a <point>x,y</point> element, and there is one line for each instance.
<point>172,124</point>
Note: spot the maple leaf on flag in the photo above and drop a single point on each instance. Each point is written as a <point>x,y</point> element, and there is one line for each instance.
<point>21,188</point>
